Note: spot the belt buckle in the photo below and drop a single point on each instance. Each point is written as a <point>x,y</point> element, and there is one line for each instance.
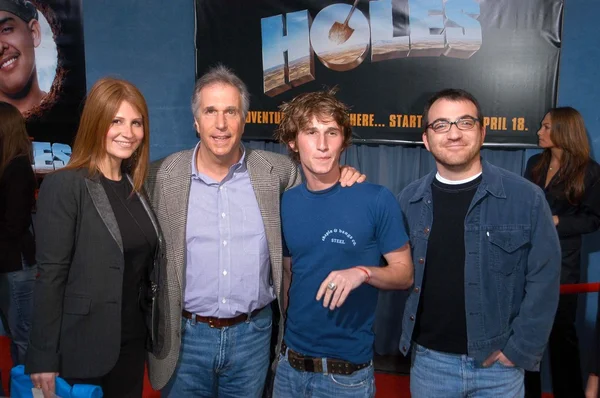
<point>211,322</point>
<point>317,364</point>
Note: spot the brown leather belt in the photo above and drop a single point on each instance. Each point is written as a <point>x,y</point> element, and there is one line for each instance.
<point>315,365</point>
<point>220,322</point>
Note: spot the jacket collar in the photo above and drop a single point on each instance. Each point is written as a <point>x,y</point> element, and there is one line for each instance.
<point>104,208</point>
<point>255,161</point>
<point>491,182</point>
<point>102,204</point>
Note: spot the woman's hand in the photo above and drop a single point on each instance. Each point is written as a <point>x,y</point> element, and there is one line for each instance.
<point>45,381</point>
<point>591,390</point>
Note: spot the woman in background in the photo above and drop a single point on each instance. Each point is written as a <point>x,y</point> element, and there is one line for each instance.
<point>571,181</point>
<point>17,246</point>
<point>97,241</point>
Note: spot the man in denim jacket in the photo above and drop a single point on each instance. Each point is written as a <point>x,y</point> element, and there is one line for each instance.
<point>487,264</point>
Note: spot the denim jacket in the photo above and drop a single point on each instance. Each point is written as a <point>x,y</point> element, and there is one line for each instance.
<point>512,265</point>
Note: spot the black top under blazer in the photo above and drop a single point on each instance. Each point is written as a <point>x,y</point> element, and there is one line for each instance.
<point>17,197</point>
<point>76,323</point>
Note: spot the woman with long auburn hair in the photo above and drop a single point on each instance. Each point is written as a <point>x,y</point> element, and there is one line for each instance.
<point>571,181</point>
<point>17,247</point>
<point>98,243</point>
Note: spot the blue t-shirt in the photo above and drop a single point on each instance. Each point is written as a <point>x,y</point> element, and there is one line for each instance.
<point>329,230</point>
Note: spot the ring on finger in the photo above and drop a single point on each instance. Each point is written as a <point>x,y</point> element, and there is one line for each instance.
<point>331,286</point>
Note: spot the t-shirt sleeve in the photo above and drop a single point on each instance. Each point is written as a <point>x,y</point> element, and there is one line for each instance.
<point>390,230</point>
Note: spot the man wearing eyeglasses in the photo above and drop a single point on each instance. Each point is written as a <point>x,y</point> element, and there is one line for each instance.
<point>487,264</point>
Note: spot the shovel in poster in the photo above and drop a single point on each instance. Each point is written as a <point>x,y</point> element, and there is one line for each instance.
<point>341,32</point>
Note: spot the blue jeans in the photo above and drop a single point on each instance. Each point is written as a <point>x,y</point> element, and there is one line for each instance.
<point>16,301</point>
<point>222,362</point>
<point>290,382</point>
<point>441,375</point>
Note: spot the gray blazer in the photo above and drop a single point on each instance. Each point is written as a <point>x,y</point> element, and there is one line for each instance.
<point>76,322</point>
<point>168,187</point>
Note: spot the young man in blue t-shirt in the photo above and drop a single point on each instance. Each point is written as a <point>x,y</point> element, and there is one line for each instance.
<point>334,239</point>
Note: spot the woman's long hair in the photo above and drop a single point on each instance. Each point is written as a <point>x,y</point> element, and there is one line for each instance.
<point>567,133</point>
<point>14,140</point>
<point>101,106</point>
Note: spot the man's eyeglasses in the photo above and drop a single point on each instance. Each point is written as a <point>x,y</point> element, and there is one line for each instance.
<point>443,125</point>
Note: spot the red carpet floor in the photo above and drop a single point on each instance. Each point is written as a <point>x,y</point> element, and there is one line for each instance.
<point>388,386</point>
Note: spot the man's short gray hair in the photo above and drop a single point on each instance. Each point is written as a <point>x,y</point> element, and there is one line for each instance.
<point>221,74</point>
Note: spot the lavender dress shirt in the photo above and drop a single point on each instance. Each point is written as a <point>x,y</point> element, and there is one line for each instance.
<point>228,271</point>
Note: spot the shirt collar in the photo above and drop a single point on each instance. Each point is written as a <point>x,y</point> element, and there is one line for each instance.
<point>238,167</point>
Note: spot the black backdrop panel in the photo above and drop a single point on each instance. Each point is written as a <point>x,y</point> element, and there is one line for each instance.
<point>389,59</point>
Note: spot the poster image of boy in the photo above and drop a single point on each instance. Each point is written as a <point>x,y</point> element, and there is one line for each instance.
<point>60,67</point>
<point>20,34</point>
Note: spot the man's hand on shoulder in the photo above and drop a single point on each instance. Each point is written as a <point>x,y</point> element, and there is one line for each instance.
<point>349,175</point>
